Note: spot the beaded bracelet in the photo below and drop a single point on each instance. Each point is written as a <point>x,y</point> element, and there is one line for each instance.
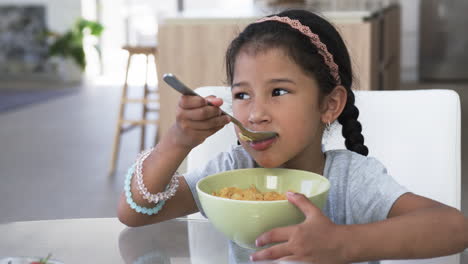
<point>133,205</point>
<point>170,190</point>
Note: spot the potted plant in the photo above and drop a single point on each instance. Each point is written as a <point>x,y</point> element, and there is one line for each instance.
<point>69,48</point>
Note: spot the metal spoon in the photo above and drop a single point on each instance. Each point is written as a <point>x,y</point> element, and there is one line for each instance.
<point>247,135</point>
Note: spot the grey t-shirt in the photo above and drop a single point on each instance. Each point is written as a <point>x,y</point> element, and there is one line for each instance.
<point>361,190</point>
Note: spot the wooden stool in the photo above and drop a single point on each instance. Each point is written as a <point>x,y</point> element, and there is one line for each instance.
<point>124,125</point>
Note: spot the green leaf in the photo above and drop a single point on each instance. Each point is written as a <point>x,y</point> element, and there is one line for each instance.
<point>70,43</point>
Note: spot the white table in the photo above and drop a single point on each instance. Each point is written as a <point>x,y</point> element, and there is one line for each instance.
<point>106,240</point>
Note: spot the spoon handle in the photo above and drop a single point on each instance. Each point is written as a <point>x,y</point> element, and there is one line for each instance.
<point>170,79</point>
<point>175,83</point>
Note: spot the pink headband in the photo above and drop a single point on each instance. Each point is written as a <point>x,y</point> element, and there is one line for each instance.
<point>314,39</point>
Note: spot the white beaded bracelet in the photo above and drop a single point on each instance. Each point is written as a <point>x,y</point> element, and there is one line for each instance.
<point>161,196</point>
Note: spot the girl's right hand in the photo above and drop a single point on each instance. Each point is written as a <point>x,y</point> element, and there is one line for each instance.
<point>196,120</point>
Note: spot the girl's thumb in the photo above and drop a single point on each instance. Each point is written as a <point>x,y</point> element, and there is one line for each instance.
<point>304,204</point>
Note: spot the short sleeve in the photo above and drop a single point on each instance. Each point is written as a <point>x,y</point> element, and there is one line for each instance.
<point>372,193</point>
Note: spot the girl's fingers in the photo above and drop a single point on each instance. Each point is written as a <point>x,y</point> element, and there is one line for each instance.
<point>200,113</point>
<point>276,235</point>
<point>273,252</point>
<point>191,102</point>
<point>215,123</point>
<point>203,133</point>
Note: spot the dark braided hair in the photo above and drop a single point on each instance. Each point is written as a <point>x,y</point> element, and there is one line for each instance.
<point>259,37</point>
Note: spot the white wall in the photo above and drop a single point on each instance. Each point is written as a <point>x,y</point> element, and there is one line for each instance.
<point>61,14</point>
<point>216,4</point>
<point>114,14</point>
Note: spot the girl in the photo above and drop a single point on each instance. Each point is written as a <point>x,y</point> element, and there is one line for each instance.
<point>291,73</point>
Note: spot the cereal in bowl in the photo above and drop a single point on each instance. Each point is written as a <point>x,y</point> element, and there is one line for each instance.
<point>249,194</point>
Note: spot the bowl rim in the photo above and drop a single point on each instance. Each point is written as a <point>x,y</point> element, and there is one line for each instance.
<point>199,191</point>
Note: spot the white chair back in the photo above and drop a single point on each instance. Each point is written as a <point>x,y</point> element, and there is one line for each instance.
<point>415,134</point>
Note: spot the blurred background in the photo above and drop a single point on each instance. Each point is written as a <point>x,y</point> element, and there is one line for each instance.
<point>71,123</point>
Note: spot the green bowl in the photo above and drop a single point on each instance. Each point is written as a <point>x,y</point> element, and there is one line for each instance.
<point>244,221</point>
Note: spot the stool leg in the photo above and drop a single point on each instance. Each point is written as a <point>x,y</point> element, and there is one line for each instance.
<point>144,109</point>
<point>118,130</point>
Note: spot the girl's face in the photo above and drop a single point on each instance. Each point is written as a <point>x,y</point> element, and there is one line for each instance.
<point>272,93</point>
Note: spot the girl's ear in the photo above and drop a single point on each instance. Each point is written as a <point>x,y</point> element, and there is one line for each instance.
<point>333,104</point>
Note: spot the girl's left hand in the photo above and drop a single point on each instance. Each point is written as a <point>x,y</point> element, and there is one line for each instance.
<point>316,240</point>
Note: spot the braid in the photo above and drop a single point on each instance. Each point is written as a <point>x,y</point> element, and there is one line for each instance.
<point>354,140</point>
